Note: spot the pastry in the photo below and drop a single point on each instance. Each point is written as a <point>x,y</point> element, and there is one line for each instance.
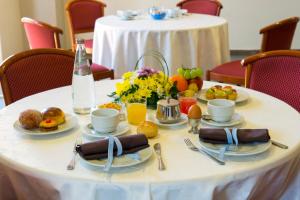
<point>227,90</point>
<point>233,95</point>
<point>147,128</point>
<point>48,125</point>
<point>210,94</point>
<point>220,94</point>
<point>54,113</point>
<point>111,105</point>
<point>217,92</point>
<point>30,119</point>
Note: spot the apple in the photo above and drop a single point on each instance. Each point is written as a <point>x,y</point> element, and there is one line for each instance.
<point>198,81</point>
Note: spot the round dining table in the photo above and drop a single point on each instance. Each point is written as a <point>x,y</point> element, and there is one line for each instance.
<point>35,167</point>
<point>195,40</point>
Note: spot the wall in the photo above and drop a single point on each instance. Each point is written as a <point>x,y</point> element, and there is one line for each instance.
<point>11,39</point>
<point>42,10</point>
<point>245,17</point>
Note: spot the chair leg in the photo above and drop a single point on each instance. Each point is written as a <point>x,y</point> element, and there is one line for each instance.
<point>208,75</point>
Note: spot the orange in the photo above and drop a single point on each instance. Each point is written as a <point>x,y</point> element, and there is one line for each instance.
<point>180,82</point>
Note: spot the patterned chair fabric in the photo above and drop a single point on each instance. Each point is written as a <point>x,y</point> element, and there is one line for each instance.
<point>276,73</point>
<point>277,36</point>
<point>40,34</point>
<point>35,71</point>
<point>209,7</point>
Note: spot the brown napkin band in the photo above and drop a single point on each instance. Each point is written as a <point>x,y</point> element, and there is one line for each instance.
<point>98,149</point>
<point>218,136</point>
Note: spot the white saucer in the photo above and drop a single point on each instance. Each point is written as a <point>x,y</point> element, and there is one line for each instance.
<point>183,120</point>
<point>236,119</point>
<point>122,128</point>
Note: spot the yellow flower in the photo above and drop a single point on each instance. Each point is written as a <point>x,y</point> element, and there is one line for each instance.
<point>127,75</point>
<point>158,83</point>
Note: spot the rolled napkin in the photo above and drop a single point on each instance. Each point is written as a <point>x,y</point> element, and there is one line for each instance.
<point>99,149</point>
<point>218,136</point>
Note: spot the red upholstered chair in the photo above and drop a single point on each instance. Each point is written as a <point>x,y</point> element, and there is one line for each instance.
<point>40,34</point>
<point>34,71</point>
<point>276,73</point>
<point>277,36</point>
<point>101,72</point>
<point>81,15</point>
<point>209,7</point>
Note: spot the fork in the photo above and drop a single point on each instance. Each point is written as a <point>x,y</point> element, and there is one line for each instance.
<point>192,147</point>
<point>71,164</point>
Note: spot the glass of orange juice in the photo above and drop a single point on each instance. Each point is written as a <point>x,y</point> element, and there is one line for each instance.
<point>136,111</point>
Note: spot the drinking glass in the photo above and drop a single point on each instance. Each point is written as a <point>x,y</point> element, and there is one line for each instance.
<point>185,102</point>
<point>136,111</point>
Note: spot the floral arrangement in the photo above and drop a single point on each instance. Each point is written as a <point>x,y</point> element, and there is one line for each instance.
<point>144,83</point>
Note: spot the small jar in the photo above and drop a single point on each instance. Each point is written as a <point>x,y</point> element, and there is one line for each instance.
<point>168,111</point>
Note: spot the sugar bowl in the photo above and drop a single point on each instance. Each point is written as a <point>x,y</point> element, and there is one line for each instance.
<point>168,111</point>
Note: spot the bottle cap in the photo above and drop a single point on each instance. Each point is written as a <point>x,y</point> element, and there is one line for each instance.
<point>79,41</point>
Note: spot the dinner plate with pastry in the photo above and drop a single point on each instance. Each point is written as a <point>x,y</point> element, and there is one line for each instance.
<point>50,121</point>
<point>225,92</point>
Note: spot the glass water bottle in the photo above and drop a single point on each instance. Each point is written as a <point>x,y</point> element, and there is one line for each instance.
<point>83,88</point>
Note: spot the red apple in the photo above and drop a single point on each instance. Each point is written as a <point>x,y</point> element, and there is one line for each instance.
<point>198,81</point>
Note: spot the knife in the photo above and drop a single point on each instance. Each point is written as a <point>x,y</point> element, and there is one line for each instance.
<point>157,149</point>
<point>280,145</point>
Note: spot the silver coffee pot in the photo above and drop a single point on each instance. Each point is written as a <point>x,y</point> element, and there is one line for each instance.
<point>168,111</point>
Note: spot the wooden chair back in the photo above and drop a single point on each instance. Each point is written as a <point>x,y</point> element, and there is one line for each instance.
<point>279,35</point>
<point>40,34</point>
<point>209,7</point>
<point>34,71</point>
<point>276,73</point>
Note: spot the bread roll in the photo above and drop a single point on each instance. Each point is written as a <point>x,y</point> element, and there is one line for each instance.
<point>54,113</point>
<point>30,119</point>
<point>148,128</point>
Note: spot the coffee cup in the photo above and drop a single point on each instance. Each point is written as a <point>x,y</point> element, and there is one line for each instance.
<point>105,120</point>
<point>125,14</point>
<point>172,13</point>
<point>220,110</point>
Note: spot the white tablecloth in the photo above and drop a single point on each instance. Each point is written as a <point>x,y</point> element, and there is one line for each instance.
<point>190,41</point>
<point>35,167</point>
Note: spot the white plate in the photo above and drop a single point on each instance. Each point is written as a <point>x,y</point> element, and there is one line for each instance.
<point>122,128</point>
<point>240,150</point>
<point>183,120</point>
<point>242,96</point>
<point>71,122</point>
<point>236,120</point>
<point>121,161</point>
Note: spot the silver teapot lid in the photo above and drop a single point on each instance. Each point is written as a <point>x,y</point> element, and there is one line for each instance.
<point>168,102</point>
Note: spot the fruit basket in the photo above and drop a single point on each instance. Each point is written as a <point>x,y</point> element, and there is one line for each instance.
<point>188,80</point>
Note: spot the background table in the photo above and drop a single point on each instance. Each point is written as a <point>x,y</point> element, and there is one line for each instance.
<point>192,41</point>
<point>35,167</point>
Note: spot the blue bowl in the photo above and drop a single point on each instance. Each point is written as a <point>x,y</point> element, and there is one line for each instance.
<point>158,16</point>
